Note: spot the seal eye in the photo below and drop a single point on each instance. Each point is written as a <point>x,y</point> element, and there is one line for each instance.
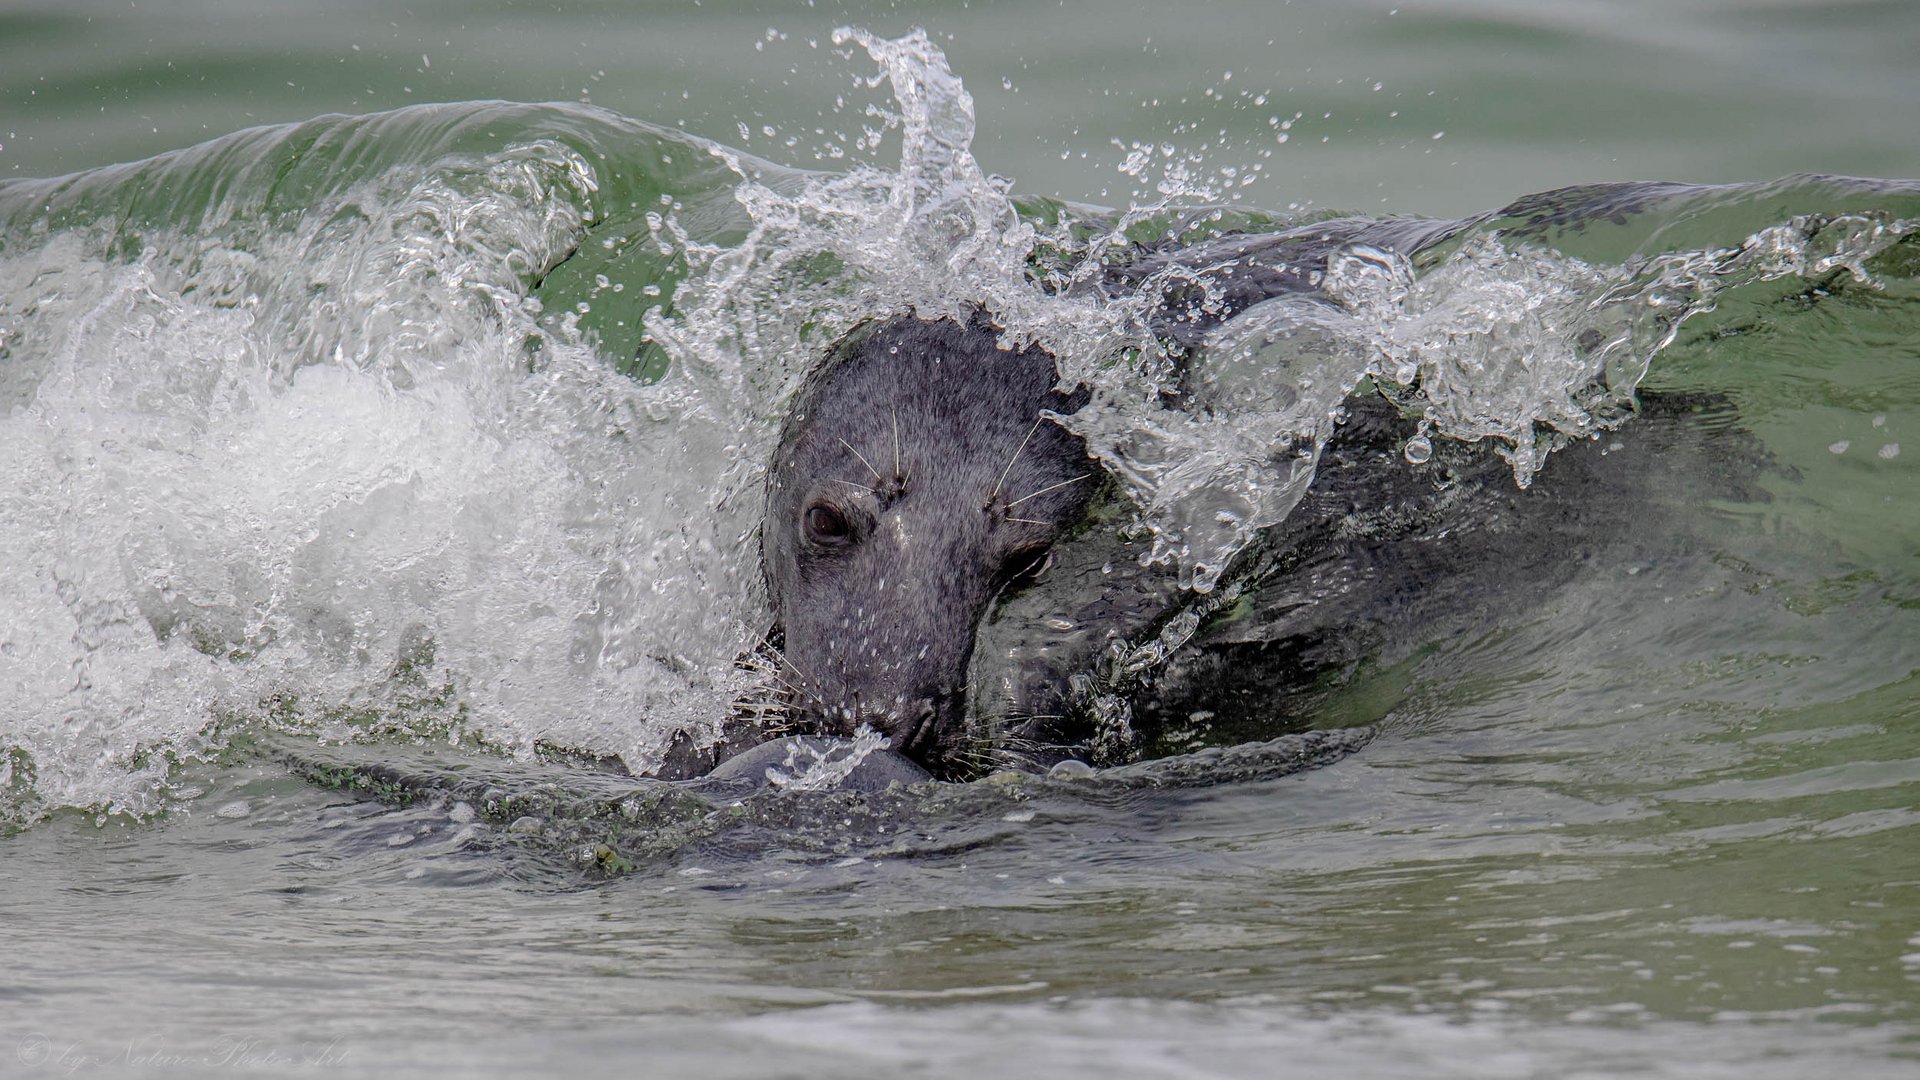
<point>826,526</point>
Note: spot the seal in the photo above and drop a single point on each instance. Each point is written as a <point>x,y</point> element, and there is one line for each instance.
<point>921,477</point>
<point>922,493</point>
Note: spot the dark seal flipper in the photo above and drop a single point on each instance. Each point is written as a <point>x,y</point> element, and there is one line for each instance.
<point>839,764</point>
<point>596,819</point>
<point>607,824</point>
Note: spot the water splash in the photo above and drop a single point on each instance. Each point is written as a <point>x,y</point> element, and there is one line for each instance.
<point>932,234</point>
<point>1534,349</point>
<point>309,472</point>
<point>1501,339</point>
<point>813,768</point>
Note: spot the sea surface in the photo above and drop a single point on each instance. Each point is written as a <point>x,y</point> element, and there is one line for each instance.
<point>384,402</point>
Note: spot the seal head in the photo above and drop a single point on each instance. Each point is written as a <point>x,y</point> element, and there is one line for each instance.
<point>918,475</point>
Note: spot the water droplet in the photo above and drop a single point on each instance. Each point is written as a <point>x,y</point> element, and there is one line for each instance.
<point>1419,449</point>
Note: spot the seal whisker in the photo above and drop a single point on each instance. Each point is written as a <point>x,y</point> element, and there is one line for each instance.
<point>1046,489</point>
<point>769,703</point>
<point>864,461</point>
<point>786,682</point>
<point>798,689</point>
<point>772,671</point>
<point>763,708</point>
<point>1037,421</point>
<point>780,655</point>
<point>897,473</point>
<point>1027,521</point>
<point>852,484</point>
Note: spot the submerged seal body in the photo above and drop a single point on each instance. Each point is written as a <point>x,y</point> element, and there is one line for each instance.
<point>921,476</point>
<point>922,490</point>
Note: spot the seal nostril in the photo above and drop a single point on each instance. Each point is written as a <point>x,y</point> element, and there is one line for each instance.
<point>919,729</point>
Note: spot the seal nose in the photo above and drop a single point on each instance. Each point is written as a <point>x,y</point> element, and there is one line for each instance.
<point>915,726</point>
<point>919,729</point>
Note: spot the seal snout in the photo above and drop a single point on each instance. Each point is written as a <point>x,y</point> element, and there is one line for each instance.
<point>914,726</point>
<point>919,732</point>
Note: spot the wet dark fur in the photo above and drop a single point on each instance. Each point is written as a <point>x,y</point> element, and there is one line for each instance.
<point>1384,559</point>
